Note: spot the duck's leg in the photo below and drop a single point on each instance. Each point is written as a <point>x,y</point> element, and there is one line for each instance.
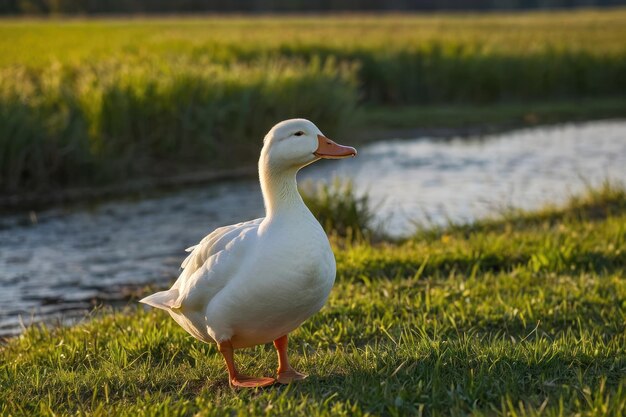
<point>286,374</point>
<point>234,377</point>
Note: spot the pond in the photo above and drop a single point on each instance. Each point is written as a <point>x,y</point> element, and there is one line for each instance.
<point>57,264</point>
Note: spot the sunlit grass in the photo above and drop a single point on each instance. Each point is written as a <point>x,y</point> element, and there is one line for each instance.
<point>84,102</point>
<point>36,42</point>
<point>341,211</point>
<point>524,315</point>
<point>112,119</point>
<point>414,59</point>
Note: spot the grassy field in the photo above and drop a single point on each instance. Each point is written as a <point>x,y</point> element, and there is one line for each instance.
<point>86,102</point>
<point>521,316</point>
<point>36,43</point>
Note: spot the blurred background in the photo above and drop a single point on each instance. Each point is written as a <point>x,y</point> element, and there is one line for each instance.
<point>255,6</point>
<point>129,129</point>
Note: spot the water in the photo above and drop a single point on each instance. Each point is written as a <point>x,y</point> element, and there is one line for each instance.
<point>66,262</point>
<point>432,181</point>
<point>60,263</point>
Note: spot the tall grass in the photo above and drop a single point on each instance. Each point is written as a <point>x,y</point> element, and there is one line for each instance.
<point>86,101</point>
<point>402,59</point>
<point>437,72</point>
<point>88,123</point>
<point>340,210</point>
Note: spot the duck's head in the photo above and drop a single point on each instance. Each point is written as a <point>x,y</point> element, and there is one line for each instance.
<point>296,143</point>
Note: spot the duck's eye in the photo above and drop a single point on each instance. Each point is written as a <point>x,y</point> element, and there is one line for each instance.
<point>299,133</point>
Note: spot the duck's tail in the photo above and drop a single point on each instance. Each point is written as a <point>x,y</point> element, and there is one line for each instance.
<point>165,300</point>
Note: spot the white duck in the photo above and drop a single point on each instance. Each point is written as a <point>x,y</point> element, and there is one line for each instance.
<point>255,282</point>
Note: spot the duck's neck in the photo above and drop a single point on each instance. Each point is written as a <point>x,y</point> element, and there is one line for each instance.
<point>280,190</point>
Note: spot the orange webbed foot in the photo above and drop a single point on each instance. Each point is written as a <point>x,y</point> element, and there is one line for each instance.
<point>236,379</point>
<point>289,376</point>
<point>286,374</point>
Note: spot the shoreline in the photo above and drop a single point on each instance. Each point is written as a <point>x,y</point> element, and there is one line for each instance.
<point>384,128</point>
<point>35,201</point>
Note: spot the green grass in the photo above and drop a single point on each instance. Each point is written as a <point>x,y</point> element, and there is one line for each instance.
<point>35,42</point>
<point>402,59</point>
<point>413,59</point>
<point>496,115</point>
<point>340,210</point>
<point>86,102</point>
<point>115,119</point>
<point>519,316</point>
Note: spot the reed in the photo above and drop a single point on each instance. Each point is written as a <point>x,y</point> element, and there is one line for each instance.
<point>71,124</point>
<point>89,101</point>
<point>341,211</point>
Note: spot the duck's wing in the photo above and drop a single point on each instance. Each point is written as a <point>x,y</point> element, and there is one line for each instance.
<point>209,264</point>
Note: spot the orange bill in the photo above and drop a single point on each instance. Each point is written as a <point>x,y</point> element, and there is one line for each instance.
<point>328,149</point>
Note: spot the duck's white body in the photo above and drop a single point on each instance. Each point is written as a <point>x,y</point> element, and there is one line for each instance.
<point>255,282</point>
